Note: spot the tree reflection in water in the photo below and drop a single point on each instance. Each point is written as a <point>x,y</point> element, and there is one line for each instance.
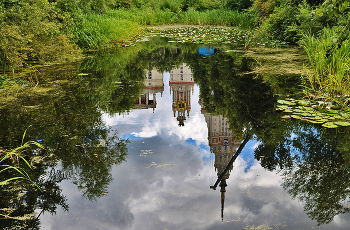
<point>78,145</point>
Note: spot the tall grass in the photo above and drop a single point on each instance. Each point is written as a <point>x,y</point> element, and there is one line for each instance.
<point>95,30</point>
<point>153,17</point>
<point>329,64</point>
<point>221,17</point>
<point>146,16</point>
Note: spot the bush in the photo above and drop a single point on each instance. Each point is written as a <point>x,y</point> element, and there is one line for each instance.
<point>283,25</point>
<point>33,30</point>
<point>264,8</point>
<point>238,4</point>
<point>201,5</point>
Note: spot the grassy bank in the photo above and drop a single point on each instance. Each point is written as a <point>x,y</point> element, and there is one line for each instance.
<point>94,31</point>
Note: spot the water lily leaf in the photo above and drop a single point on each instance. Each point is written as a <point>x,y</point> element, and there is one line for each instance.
<point>304,103</point>
<point>286,102</point>
<point>317,122</point>
<point>322,120</point>
<point>337,117</point>
<point>284,107</point>
<point>330,125</point>
<point>307,115</point>
<point>298,111</point>
<point>286,116</point>
<point>342,123</point>
<point>295,116</point>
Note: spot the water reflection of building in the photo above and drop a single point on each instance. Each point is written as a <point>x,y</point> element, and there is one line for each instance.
<point>181,85</point>
<point>223,144</point>
<point>154,84</point>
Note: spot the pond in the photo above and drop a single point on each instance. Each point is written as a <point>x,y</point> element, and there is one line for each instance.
<point>136,139</point>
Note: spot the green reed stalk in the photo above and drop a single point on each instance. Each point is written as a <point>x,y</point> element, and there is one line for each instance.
<point>329,64</point>
<point>16,155</point>
<point>95,30</point>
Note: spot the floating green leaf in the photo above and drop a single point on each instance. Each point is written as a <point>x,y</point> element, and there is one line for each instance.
<point>330,125</point>
<point>342,123</point>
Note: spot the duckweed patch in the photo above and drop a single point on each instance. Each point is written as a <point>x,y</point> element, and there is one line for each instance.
<point>329,115</point>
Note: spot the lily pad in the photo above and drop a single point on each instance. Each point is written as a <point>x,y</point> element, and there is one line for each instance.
<point>342,123</point>
<point>330,125</point>
<point>286,116</point>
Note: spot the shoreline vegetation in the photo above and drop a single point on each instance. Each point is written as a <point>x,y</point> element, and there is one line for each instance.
<point>44,31</point>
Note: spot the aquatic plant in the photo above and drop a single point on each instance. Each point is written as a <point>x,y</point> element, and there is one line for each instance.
<point>97,31</point>
<point>214,35</point>
<point>329,68</point>
<point>329,115</point>
<point>15,155</point>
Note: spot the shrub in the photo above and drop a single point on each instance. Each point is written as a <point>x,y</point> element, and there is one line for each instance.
<point>282,24</point>
<point>238,4</point>
<point>33,31</point>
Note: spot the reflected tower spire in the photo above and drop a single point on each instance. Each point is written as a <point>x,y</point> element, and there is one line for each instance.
<point>223,145</point>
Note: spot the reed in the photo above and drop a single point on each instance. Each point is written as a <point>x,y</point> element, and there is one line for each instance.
<point>329,64</point>
<point>145,16</point>
<point>16,155</point>
<point>221,17</point>
<point>95,31</point>
<point>157,16</point>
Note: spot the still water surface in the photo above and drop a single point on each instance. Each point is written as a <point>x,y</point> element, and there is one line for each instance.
<point>136,142</point>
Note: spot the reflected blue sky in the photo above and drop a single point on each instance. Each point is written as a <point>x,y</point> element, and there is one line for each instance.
<point>164,183</point>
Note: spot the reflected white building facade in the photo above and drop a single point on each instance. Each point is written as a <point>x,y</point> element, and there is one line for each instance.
<point>153,85</point>
<point>181,86</point>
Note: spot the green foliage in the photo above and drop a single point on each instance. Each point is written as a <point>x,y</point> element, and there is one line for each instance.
<point>95,31</point>
<point>15,155</point>
<point>33,30</point>
<point>242,20</point>
<point>174,6</point>
<point>145,16</point>
<point>238,5</point>
<point>281,24</point>
<point>200,5</point>
<point>329,57</point>
<point>264,7</point>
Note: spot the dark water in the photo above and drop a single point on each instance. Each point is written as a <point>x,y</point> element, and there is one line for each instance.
<point>135,138</point>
